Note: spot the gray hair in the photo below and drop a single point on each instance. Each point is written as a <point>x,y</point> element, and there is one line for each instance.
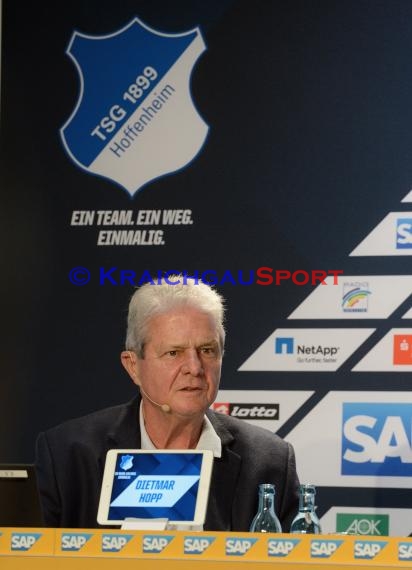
<point>159,297</point>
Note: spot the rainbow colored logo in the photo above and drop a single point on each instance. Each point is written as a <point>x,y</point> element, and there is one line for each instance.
<point>355,297</point>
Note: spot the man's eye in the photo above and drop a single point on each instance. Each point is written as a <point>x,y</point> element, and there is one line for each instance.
<point>208,350</point>
<point>172,353</point>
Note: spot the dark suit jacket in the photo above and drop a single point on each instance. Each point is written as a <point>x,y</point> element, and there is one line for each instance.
<point>70,461</point>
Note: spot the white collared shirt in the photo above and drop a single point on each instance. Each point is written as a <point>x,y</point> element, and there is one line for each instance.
<point>208,438</point>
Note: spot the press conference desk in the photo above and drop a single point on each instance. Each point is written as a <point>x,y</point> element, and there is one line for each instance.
<point>68,549</point>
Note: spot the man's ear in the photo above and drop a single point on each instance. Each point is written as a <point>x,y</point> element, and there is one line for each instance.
<point>129,361</point>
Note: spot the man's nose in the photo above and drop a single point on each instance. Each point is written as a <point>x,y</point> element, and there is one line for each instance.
<point>192,364</point>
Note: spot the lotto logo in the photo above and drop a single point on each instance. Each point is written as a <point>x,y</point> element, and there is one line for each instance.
<point>376,439</point>
<point>404,233</point>
<point>221,407</point>
<point>248,411</point>
<point>402,349</point>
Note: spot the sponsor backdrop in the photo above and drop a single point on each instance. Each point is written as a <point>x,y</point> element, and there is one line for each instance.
<point>261,146</point>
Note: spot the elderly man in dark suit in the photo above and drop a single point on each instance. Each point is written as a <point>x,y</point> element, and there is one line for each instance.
<point>174,350</point>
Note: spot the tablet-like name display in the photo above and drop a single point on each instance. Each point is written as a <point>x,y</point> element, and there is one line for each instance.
<point>157,484</point>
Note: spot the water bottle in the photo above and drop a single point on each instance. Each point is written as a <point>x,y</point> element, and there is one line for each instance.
<point>306,521</point>
<point>265,519</point>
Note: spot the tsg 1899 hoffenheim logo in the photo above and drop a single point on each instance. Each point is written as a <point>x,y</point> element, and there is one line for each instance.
<point>135,119</point>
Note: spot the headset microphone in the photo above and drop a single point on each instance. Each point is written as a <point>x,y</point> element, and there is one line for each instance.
<point>164,407</point>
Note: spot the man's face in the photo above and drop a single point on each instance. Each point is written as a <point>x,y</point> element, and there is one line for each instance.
<point>182,361</point>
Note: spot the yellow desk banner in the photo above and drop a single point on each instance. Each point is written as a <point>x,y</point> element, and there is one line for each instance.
<point>324,550</point>
<point>27,541</point>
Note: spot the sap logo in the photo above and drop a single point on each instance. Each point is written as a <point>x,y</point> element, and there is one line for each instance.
<point>324,548</point>
<point>73,541</point>
<point>155,542</point>
<point>284,345</point>
<point>114,542</point>
<point>377,439</point>
<point>239,546</point>
<point>281,547</point>
<point>368,550</point>
<point>404,233</point>
<point>405,551</point>
<point>197,545</point>
<point>24,541</point>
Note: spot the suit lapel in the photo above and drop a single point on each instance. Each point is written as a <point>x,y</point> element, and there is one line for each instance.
<point>125,432</point>
<point>224,481</point>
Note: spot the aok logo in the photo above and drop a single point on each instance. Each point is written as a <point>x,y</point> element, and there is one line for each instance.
<point>376,439</point>
<point>363,524</point>
<point>404,233</point>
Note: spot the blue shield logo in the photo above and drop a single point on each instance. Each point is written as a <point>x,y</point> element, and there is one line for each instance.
<point>126,462</point>
<point>134,120</point>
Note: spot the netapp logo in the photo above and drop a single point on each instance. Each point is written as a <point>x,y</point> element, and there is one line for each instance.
<point>286,345</point>
<point>323,350</point>
<point>248,411</point>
